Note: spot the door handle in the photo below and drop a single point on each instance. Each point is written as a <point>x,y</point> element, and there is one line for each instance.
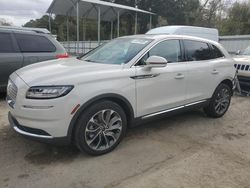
<point>215,71</point>
<point>179,76</point>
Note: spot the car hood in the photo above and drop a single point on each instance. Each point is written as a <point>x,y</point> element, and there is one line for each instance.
<point>64,71</point>
<point>242,58</point>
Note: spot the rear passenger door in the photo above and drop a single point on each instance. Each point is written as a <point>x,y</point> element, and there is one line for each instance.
<point>35,47</point>
<point>10,57</point>
<point>201,78</point>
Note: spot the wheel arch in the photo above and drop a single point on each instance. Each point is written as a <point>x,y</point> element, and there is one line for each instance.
<point>228,82</point>
<point>120,100</point>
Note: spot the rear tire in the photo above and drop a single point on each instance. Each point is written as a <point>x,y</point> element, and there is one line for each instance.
<point>220,101</point>
<point>100,128</point>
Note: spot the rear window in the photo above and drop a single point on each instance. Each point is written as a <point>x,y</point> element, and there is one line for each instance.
<point>197,51</point>
<point>6,43</point>
<point>34,43</point>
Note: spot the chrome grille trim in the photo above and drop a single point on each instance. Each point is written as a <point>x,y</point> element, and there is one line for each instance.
<point>242,67</point>
<point>12,92</point>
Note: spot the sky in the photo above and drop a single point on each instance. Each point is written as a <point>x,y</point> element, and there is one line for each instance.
<point>18,12</point>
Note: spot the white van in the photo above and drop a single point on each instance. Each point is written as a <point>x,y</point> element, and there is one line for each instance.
<point>202,32</point>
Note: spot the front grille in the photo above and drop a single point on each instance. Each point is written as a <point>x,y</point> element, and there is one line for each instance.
<point>242,67</point>
<point>11,91</point>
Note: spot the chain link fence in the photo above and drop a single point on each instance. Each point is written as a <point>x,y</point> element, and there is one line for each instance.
<point>84,46</point>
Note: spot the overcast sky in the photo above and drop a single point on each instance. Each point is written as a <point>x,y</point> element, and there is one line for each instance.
<point>18,12</point>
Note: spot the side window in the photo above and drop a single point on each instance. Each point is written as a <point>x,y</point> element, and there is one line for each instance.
<point>34,43</point>
<point>6,43</point>
<point>169,49</point>
<point>216,53</point>
<point>197,51</point>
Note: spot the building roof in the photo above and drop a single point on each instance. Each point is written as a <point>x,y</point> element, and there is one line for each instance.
<point>88,9</point>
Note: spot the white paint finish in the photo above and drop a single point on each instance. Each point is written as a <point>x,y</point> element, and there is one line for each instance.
<point>175,85</point>
<point>163,91</point>
<point>201,82</point>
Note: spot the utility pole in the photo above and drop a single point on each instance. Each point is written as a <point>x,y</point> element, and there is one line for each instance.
<point>136,17</point>
<point>136,3</point>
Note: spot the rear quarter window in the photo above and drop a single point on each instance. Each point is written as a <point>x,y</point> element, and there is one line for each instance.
<point>34,43</point>
<point>6,43</point>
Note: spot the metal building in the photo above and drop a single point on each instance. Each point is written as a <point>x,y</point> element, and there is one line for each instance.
<point>94,9</point>
<point>235,43</point>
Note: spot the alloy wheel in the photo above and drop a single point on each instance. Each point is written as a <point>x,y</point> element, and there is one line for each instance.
<point>222,101</point>
<point>103,130</point>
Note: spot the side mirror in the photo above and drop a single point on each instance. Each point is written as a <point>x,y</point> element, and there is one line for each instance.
<point>156,62</point>
<point>238,52</point>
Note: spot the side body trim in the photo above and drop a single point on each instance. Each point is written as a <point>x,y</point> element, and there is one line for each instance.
<point>144,76</point>
<point>172,109</point>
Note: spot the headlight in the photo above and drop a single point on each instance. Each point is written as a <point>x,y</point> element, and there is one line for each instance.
<point>48,92</point>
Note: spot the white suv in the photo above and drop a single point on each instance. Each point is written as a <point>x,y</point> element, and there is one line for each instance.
<point>93,99</point>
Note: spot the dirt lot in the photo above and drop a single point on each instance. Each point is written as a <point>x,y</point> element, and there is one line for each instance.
<point>188,150</point>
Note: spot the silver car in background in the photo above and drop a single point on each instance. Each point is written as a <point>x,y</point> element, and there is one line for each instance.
<point>24,46</point>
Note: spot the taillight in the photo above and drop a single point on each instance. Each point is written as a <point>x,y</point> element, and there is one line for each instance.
<point>59,56</point>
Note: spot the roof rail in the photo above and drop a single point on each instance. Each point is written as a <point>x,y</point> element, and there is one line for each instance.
<point>28,29</point>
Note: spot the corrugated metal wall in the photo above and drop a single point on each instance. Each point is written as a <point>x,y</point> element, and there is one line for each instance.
<point>235,43</point>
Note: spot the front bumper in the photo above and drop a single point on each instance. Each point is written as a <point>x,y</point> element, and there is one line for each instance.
<point>36,134</point>
<point>244,82</point>
<point>43,120</point>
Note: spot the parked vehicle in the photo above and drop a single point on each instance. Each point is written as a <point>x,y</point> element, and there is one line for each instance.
<point>202,32</point>
<point>24,46</point>
<point>92,100</point>
<point>243,66</point>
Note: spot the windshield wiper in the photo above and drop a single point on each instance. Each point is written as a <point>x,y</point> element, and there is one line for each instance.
<point>87,60</point>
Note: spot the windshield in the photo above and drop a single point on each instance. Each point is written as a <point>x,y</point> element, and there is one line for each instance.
<point>117,51</point>
<point>246,51</point>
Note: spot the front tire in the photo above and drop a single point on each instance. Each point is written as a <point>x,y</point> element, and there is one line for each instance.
<point>220,101</point>
<point>100,128</point>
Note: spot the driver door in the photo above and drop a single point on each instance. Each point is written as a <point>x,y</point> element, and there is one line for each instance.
<point>160,89</point>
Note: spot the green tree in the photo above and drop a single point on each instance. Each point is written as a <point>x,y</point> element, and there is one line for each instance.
<point>176,12</point>
<point>3,22</point>
<point>237,21</point>
<point>39,23</point>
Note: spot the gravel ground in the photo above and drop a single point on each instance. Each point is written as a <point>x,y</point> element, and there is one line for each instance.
<point>187,150</point>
